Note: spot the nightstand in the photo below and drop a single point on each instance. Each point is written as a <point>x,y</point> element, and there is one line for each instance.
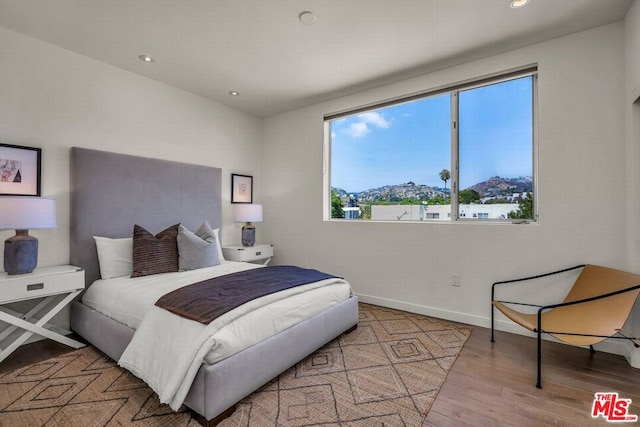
<point>57,286</point>
<point>257,253</point>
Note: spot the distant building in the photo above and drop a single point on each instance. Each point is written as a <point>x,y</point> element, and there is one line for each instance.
<point>514,198</point>
<point>351,212</point>
<point>439,212</point>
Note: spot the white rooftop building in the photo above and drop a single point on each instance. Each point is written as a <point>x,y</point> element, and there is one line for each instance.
<point>440,212</point>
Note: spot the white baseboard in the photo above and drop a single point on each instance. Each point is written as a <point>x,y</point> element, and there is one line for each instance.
<point>425,310</point>
<point>614,346</point>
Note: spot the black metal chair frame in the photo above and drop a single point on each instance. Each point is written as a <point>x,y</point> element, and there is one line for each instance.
<point>541,308</point>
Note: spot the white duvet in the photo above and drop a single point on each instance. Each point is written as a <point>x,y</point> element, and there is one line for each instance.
<point>167,350</point>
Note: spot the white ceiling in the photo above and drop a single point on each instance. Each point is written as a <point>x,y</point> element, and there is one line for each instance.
<point>260,48</point>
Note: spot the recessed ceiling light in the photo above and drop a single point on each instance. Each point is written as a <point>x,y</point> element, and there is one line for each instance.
<point>307,17</point>
<point>515,4</point>
<point>146,58</point>
<point>234,93</point>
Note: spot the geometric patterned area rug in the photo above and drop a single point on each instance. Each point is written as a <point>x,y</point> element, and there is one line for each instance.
<point>385,373</point>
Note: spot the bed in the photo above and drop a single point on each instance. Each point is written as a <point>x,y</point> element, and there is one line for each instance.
<point>110,193</point>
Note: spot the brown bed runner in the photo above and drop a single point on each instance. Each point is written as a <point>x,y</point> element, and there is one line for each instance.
<point>207,300</point>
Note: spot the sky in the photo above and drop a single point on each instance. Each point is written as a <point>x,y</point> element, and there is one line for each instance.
<point>412,141</point>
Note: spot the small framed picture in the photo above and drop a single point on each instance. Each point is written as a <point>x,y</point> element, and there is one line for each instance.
<point>241,188</point>
<point>19,170</point>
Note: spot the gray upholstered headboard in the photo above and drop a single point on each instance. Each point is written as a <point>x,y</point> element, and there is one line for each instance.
<point>111,192</point>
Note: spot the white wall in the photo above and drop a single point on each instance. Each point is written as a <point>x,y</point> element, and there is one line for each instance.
<point>632,122</point>
<point>55,99</point>
<point>581,163</point>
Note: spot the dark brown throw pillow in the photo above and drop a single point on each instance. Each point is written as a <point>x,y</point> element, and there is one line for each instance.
<point>154,254</point>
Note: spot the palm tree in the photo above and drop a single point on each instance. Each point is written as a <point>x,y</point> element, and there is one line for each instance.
<point>445,175</point>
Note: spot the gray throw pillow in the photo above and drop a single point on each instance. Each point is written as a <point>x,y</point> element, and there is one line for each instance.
<point>197,250</point>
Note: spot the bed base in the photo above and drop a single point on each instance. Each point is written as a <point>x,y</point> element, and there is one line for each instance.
<point>215,420</point>
<point>218,387</point>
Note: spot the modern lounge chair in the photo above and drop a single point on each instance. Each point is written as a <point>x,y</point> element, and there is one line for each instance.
<point>596,308</point>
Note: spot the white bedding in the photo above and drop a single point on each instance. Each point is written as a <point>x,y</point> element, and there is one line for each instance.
<point>127,299</point>
<point>167,350</point>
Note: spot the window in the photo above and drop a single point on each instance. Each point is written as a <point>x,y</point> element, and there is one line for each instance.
<point>465,153</point>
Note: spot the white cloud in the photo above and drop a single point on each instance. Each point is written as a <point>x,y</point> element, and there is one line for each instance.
<point>375,119</point>
<point>364,124</point>
<point>358,129</point>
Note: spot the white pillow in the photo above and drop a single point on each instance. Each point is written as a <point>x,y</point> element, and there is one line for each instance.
<point>115,256</point>
<point>216,231</point>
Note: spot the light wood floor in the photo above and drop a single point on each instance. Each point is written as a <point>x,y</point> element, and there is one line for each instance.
<point>493,384</point>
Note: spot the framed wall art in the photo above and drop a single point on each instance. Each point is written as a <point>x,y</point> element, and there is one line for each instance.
<point>19,170</point>
<point>241,188</point>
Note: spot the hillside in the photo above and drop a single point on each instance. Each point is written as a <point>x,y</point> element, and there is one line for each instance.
<point>494,186</point>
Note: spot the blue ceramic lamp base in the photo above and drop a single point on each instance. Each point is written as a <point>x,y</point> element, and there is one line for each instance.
<point>20,253</point>
<point>248,235</point>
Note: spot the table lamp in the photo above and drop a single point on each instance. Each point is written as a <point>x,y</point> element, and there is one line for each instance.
<point>248,213</point>
<point>21,214</point>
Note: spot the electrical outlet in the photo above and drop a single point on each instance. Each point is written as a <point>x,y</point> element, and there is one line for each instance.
<point>455,279</point>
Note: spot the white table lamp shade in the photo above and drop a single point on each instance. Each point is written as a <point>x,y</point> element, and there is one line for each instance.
<point>24,213</point>
<point>248,213</point>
